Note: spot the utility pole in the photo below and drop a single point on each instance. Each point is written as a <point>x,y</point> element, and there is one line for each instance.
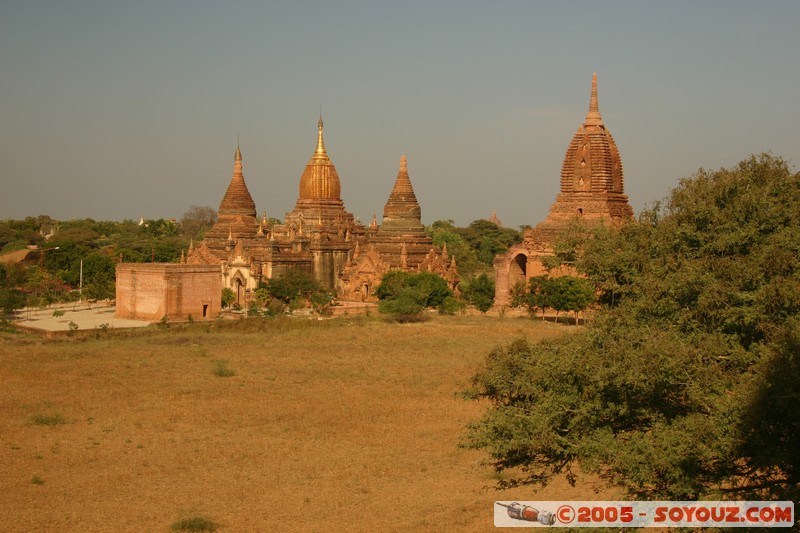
<point>41,256</point>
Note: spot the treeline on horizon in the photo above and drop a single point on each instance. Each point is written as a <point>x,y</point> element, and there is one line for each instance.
<point>67,248</point>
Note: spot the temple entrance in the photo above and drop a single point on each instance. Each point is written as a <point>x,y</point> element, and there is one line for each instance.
<point>365,292</point>
<point>517,270</point>
<point>239,290</point>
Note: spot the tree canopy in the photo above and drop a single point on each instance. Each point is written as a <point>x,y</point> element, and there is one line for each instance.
<point>687,383</point>
<point>405,294</point>
<point>475,246</point>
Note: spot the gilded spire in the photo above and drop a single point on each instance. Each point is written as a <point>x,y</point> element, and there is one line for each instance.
<point>237,156</point>
<point>320,151</point>
<point>403,163</point>
<point>593,117</point>
<point>320,182</point>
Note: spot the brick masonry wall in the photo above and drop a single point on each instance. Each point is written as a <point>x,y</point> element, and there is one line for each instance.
<point>152,291</point>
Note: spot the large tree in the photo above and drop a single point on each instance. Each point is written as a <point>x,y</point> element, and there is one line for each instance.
<point>688,386</point>
<point>197,219</point>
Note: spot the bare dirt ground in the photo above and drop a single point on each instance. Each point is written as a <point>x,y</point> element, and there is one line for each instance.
<point>339,425</point>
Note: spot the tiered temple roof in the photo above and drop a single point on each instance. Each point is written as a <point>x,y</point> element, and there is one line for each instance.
<point>402,212</point>
<point>237,211</point>
<point>591,178</point>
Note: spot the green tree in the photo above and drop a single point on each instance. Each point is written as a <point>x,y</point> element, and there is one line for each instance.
<point>410,293</point>
<point>44,289</point>
<point>100,286</point>
<point>535,296</point>
<point>444,233</point>
<point>488,240</point>
<point>12,279</point>
<point>404,305</point>
<point>432,288</point>
<point>479,292</point>
<point>228,297</point>
<point>688,386</point>
<point>568,293</point>
<point>293,285</point>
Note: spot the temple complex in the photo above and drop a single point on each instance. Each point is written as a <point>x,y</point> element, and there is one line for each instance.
<point>591,190</point>
<point>319,236</point>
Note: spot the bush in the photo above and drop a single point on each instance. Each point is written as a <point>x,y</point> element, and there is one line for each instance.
<point>415,292</point>
<point>47,420</point>
<point>451,306</point>
<point>480,293</point>
<point>228,297</point>
<point>195,523</point>
<point>406,306</point>
<point>221,369</point>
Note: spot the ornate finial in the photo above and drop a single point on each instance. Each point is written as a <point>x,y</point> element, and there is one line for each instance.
<point>265,220</point>
<point>238,155</point>
<point>320,151</point>
<point>403,163</point>
<point>593,117</point>
<point>374,223</point>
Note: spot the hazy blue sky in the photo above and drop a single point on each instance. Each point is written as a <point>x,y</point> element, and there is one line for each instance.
<point>120,109</point>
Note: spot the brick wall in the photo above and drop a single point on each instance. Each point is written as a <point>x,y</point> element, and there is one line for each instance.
<point>152,291</point>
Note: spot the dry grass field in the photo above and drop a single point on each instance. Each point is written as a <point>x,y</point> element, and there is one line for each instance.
<point>338,425</point>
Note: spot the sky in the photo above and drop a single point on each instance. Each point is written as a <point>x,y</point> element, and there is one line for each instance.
<point>117,110</point>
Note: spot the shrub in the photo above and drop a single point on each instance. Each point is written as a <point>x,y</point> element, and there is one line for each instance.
<point>406,306</point>
<point>451,306</point>
<point>194,523</point>
<point>404,294</point>
<point>480,293</point>
<point>228,297</point>
<point>47,420</point>
<point>221,369</point>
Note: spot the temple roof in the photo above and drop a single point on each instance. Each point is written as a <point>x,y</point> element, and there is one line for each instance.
<point>320,180</point>
<point>402,202</point>
<point>402,209</point>
<point>237,199</point>
<point>592,162</point>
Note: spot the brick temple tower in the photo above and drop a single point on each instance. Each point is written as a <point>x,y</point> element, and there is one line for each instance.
<point>400,243</point>
<point>237,212</point>
<point>591,190</point>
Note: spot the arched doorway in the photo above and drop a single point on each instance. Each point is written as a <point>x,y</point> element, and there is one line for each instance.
<point>239,289</point>
<point>517,270</point>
